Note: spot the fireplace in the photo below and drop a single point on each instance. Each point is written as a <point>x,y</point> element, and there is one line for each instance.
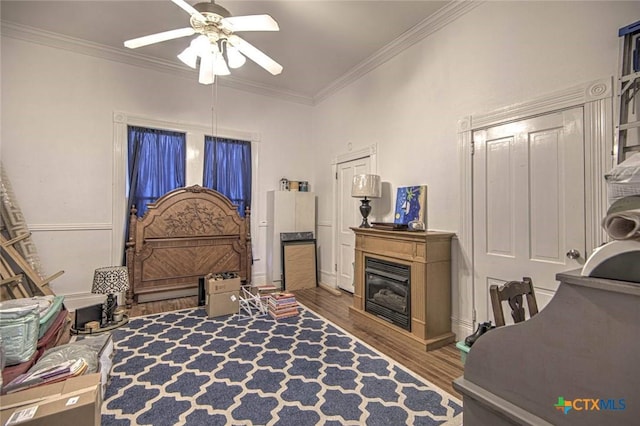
<point>388,291</point>
<point>402,282</point>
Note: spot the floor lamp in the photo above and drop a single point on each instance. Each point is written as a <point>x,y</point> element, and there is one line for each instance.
<point>365,187</point>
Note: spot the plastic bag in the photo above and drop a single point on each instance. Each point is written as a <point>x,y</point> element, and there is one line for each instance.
<point>626,172</point>
<point>85,349</point>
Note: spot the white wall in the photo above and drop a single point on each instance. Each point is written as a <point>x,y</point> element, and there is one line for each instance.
<point>498,54</point>
<point>57,145</point>
<point>57,111</point>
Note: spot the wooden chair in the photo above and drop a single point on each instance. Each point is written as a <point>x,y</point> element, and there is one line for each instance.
<point>512,292</point>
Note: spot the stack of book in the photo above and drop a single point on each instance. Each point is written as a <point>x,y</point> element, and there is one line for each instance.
<point>59,372</point>
<point>282,305</point>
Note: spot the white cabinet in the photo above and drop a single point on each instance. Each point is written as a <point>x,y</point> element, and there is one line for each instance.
<point>287,211</point>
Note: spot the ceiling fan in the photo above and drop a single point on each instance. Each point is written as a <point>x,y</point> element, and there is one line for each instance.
<point>217,39</point>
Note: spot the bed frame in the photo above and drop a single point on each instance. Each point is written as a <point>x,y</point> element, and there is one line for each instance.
<point>185,235</point>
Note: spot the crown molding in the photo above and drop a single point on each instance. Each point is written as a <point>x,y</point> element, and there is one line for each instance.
<point>84,47</point>
<point>428,26</point>
<point>580,94</point>
<point>422,30</point>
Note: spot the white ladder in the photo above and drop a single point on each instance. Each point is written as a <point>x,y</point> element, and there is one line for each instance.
<point>627,133</point>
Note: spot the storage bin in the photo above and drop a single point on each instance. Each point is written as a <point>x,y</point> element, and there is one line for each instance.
<point>464,350</point>
<point>19,332</point>
<point>49,315</point>
<point>53,334</point>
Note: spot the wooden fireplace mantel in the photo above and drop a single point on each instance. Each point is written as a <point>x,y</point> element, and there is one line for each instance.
<point>428,253</point>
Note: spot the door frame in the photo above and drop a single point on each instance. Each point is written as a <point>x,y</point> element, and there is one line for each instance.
<point>596,99</point>
<point>370,151</point>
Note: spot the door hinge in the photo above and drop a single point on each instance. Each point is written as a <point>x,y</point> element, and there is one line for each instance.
<point>473,316</point>
<point>336,175</point>
<point>473,148</point>
<point>335,267</point>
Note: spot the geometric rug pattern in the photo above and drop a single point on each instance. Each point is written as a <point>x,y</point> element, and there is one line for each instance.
<point>182,368</point>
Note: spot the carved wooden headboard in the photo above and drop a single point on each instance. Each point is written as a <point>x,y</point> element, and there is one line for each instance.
<point>186,234</point>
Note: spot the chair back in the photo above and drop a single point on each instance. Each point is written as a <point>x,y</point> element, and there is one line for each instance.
<point>513,292</point>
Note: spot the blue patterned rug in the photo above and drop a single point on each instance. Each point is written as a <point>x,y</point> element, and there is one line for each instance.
<point>182,368</point>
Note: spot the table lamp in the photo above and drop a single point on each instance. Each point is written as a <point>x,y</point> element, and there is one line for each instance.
<point>110,280</point>
<point>365,187</point>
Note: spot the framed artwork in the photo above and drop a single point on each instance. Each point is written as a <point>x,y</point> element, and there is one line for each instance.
<point>411,204</point>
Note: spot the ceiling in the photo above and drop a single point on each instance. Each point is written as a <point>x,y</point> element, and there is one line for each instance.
<point>319,42</point>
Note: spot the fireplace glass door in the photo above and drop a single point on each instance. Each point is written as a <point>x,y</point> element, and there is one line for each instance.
<point>387,291</point>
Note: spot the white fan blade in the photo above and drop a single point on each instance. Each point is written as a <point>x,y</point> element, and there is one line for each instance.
<point>189,9</point>
<point>157,38</point>
<point>250,23</point>
<point>255,55</point>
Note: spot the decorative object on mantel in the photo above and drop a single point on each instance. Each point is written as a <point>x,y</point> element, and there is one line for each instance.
<point>365,187</point>
<point>110,280</point>
<point>411,207</point>
<point>390,226</point>
<point>217,39</point>
<point>416,225</point>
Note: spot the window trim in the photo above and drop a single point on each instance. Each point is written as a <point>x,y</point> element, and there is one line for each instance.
<point>195,134</point>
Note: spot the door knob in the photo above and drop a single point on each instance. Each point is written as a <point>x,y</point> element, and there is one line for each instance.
<point>573,254</point>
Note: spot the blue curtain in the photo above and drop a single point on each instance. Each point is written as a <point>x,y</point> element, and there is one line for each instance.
<point>156,165</point>
<point>227,169</point>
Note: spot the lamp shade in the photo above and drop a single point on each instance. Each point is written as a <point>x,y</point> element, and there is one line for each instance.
<point>366,186</point>
<point>112,279</point>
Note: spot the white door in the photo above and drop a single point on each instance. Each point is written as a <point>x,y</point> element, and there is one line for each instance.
<point>348,215</point>
<point>528,204</point>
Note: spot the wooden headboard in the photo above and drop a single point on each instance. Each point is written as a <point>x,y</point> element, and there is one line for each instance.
<point>186,234</point>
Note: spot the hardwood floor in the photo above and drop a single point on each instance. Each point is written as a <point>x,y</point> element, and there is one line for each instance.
<point>439,366</point>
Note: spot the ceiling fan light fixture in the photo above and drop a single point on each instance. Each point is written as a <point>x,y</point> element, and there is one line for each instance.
<point>201,45</point>
<point>206,76</point>
<point>219,64</point>
<point>189,56</point>
<point>217,30</point>
<point>236,59</point>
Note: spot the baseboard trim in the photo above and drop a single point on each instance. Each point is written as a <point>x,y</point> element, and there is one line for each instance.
<point>461,328</point>
<point>330,289</point>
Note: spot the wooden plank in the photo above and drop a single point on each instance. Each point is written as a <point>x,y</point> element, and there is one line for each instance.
<point>41,284</point>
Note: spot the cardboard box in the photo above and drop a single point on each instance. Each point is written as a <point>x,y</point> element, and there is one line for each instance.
<point>222,286</point>
<point>219,304</point>
<point>58,404</point>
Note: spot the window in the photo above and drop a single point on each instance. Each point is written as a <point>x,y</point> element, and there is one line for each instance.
<point>227,169</point>
<point>156,164</point>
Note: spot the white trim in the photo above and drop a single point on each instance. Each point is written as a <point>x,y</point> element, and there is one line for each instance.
<point>461,328</point>
<point>599,155</point>
<point>179,126</point>
<point>563,99</point>
<point>324,223</point>
<point>422,30</point>
<point>595,97</point>
<point>463,266</point>
<point>84,47</point>
<point>194,133</point>
<point>46,227</point>
<point>371,151</point>
<point>443,17</point>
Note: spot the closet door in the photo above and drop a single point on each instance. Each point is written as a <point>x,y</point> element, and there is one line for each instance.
<point>348,214</point>
<point>528,203</point>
